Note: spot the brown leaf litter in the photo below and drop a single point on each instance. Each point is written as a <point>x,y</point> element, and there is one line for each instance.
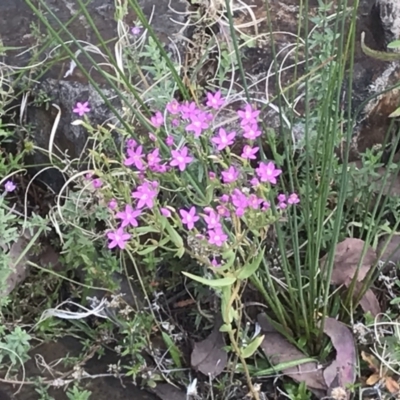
<point>334,379</point>
<point>347,257</point>
<point>209,356</point>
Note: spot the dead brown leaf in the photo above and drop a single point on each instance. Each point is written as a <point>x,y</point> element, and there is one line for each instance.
<point>373,379</point>
<point>342,371</point>
<point>372,361</point>
<point>391,385</point>
<point>19,269</point>
<point>279,350</point>
<point>379,374</point>
<point>346,259</point>
<point>347,256</point>
<point>165,391</point>
<point>392,251</point>
<point>208,356</point>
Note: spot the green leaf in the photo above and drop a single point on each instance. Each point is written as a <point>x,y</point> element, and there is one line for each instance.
<point>249,269</point>
<point>143,230</point>
<point>395,113</point>
<point>173,350</point>
<point>252,347</point>
<point>174,235</point>
<point>394,45</point>
<point>225,328</point>
<point>212,282</point>
<point>229,257</point>
<point>147,250</point>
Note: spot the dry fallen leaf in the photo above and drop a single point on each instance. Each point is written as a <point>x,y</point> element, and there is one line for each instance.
<point>279,350</point>
<point>208,356</point>
<point>347,256</point>
<point>392,251</point>
<point>342,371</point>
<point>391,385</point>
<point>379,374</point>
<point>19,268</point>
<point>346,259</point>
<point>165,391</point>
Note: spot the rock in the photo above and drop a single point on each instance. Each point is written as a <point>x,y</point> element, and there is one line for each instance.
<point>16,21</point>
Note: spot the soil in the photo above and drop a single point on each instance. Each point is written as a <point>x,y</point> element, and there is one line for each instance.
<point>102,388</point>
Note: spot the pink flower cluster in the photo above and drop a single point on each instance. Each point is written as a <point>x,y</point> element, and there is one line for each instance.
<point>242,189</point>
<point>145,195</point>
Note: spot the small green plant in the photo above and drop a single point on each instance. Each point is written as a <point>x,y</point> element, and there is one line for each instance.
<point>75,393</point>
<point>297,392</point>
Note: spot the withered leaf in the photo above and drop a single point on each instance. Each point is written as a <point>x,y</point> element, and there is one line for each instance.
<point>389,249</point>
<point>373,379</point>
<point>347,256</point>
<point>372,361</point>
<point>346,259</point>
<point>165,391</point>
<point>280,350</point>
<point>391,385</point>
<point>208,356</point>
<point>343,368</point>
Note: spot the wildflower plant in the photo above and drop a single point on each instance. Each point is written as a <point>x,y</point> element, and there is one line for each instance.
<point>184,191</point>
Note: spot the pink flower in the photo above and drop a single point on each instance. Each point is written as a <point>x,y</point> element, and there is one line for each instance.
<point>180,158</point>
<point>9,186</point>
<point>169,141</point>
<point>118,238</point>
<point>136,30</point>
<point>128,217</point>
<point>215,263</point>
<point>197,124</point>
<point>223,211</point>
<point>135,157</point>
<point>173,107</point>
<point>217,237</point>
<point>224,198</point>
<point>152,137</point>
<point>215,101</point>
<point>293,199</point>
<point>268,172</point>
<point>230,175</point>
<point>153,158</point>
<point>131,143</point>
<point>282,206</point>
<point>251,132</point>
<point>112,205</point>
<point>248,115</point>
<point>97,183</point>
<point>212,175</point>
<point>212,220</point>
<point>249,152</point>
<point>188,110</point>
<point>89,176</point>
<point>189,217</point>
<point>240,202</point>
<point>157,120</point>
<point>281,197</point>
<point>254,182</point>
<point>145,194</point>
<point>254,201</point>
<point>81,108</point>
<point>223,139</point>
<point>266,206</point>
<point>165,212</point>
